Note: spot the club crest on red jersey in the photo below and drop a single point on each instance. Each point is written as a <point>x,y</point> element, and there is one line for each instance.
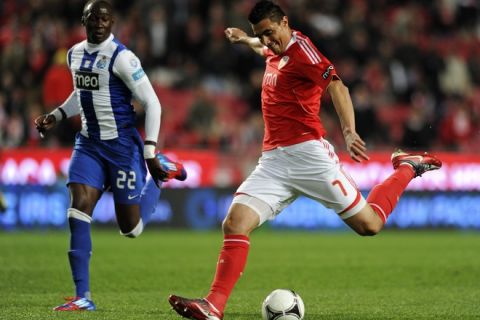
<point>283,62</point>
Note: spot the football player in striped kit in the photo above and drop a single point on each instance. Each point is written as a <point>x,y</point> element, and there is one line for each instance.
<point>109,152</point>
<point>296,158</point>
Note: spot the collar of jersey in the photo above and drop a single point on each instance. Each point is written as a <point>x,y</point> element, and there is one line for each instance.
<point>94,47</point>
<point>292,40</point>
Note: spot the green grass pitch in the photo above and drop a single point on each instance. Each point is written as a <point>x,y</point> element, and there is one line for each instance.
<point>394,275</point>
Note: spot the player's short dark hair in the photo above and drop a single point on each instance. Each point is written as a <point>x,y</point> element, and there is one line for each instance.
<point>265,9</point>
<point>104,3</point>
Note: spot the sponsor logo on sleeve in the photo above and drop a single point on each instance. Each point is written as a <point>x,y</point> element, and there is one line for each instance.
<point>326,74</point>
<point>87,80</point>
<point>138,74</point>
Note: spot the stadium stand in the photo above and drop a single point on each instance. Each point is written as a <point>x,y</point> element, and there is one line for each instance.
<point>414,65</point>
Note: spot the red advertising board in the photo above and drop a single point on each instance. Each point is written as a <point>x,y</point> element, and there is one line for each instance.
<point>46,166</point>
<point>460,172</point>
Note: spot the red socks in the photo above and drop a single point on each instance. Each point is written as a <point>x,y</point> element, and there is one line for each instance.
<point>233,256</point>
<point>384,196</point>
<point>231,263</point>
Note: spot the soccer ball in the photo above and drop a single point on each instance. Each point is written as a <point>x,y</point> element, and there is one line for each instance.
<point>283,304</point>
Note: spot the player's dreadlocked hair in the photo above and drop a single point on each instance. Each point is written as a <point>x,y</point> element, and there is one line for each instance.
<point>265,9</point>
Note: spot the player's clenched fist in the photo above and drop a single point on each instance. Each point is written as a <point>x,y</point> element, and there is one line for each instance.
<point>238,36</point>
<point>44,123</point>
<point>156,171</point>
<point>235,35</point>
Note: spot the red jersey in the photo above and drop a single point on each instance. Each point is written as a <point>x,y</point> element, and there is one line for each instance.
<point>292,86</point>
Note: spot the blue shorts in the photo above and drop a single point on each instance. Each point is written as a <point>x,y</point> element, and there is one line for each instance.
<point>117,164</point>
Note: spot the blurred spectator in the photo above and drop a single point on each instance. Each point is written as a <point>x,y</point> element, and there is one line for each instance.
<point>457,127</point>
<point>200,120</point>
<point>158,30</point>
<point>15,131</point>
<point>417,131</point>
<point>367,124</point>
<point>57,83</point>
<point>455,78</point>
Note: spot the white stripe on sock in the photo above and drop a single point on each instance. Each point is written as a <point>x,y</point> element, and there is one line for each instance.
<point>381,211</point>
<point>79,215</point>
<point>237,240</point>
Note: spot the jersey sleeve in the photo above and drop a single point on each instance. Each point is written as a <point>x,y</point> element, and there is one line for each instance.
<point>128,68</point>
<point>71,106</point>
<point>69,56</point>
<point>316,67</point>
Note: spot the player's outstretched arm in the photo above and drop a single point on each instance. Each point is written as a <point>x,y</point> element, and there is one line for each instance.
<point>344,107</point>
<point>235,35</point>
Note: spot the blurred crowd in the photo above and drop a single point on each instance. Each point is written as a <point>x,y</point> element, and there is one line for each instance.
<point>412,67</point>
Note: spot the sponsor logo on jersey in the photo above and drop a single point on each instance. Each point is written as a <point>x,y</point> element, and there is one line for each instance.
<point>270,79</point>
<point>87,80</point>
<point>138,74</point>
<point>327,73</point>
<point>283,62</point>
<point>102,63</point>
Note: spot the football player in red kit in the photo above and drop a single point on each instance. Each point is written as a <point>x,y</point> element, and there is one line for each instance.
<point>296,158</point>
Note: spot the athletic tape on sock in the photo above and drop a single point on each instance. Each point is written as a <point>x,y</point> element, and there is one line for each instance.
<point>135,232</point>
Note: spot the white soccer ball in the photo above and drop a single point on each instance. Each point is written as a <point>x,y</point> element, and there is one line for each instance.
<point>283,304</point>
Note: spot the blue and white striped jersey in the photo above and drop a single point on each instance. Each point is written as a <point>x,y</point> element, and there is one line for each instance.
<point>105,76</point>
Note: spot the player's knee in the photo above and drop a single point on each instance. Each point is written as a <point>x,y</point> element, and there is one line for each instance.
<point>366,222</point>
<point>235,225</point>
<point>368,229</point>
<point>240,222</point>
<point>82,204</point>
<point>231,226</point>
<point>135,232</point>
<point>84,198</point>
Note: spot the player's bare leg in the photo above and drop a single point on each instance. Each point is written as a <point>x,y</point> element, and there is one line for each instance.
<point>366,222</point>
<point>240,219</point>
